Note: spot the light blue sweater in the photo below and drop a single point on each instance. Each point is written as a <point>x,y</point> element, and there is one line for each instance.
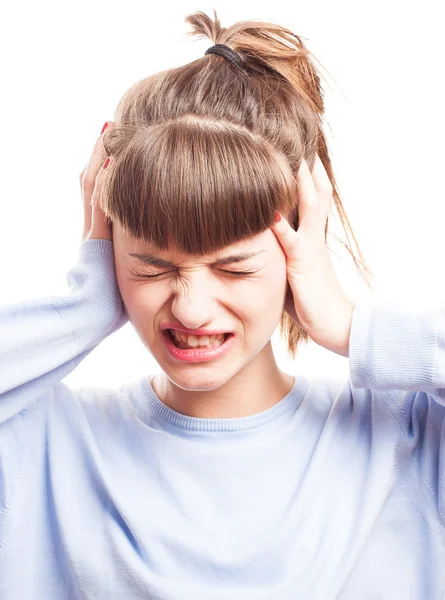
<point>337,491</point>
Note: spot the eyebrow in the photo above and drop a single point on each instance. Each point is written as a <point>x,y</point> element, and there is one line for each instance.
<point>156,261</point>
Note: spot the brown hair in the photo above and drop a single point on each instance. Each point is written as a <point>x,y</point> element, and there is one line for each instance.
<point>203,154</point>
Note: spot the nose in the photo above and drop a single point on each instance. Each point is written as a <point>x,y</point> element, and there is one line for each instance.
<point>195,306</point>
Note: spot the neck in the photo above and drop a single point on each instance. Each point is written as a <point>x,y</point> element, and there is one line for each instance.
<point>255,388</point>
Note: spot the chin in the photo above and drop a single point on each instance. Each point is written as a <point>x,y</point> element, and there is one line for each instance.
<point>199,378</point>
<point>198,381</point>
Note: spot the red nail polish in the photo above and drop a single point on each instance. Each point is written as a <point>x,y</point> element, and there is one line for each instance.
<point>104,127</point>
<point>106,163</point>
<point>277,217</point>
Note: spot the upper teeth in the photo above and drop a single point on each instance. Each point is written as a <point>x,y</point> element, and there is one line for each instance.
<point>197,340</point>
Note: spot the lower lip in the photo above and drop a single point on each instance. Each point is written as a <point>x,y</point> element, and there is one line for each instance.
<point>194,354</point>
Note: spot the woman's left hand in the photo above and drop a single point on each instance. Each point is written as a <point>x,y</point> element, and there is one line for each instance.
<point>315,299</point>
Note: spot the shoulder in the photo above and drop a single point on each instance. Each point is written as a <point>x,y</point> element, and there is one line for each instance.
<point>99,404</point>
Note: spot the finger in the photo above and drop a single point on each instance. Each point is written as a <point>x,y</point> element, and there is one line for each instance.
<point>308,202</point>
<point>95,162</point>
<point>287,237</point>
<point>323,185</point>
<point>98,146</point>
<point>94,201</point>
<point>100,226</point>
<point>88,180</point>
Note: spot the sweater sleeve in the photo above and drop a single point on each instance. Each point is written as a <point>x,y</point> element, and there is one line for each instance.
<point>42,340</point>
<point>394,348</point>
<point>400,355</point>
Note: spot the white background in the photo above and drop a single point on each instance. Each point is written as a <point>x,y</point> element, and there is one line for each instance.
<point>65,66</point>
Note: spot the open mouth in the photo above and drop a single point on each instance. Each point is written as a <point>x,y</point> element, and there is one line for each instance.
<point>213,343</point>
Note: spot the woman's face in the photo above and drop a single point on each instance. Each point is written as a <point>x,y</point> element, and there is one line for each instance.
<point>198,292</point>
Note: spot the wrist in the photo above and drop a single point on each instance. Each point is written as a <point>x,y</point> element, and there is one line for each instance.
<point>336,339</point>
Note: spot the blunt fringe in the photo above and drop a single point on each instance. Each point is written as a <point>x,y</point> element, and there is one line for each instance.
<point>203,154</point>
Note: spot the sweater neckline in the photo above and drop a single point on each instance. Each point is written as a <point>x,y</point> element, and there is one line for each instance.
<point>288,404</point>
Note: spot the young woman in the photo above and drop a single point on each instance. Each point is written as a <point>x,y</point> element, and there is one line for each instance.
<point>224,478</point>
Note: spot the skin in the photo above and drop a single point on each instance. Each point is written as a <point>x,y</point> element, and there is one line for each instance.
<point>293,272</point>
<point>196,294</point>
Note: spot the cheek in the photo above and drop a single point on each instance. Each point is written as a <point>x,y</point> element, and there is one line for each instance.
<point>275,290</point>
<point>150,296</point>
<point>252,301</point>
<point>261,305</point>
<point>142,301</point>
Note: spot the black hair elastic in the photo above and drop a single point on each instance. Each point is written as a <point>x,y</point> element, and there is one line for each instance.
<point>226,52</point>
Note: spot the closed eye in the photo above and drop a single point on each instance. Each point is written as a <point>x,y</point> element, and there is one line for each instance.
<point>236,273</point>
<point>239,272</point>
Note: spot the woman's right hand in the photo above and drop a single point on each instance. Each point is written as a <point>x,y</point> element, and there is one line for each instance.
<point>96,225</point>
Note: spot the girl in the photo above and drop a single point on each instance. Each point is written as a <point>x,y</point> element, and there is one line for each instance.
<point>206,213</point>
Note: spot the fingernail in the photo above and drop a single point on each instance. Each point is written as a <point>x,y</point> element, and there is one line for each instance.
<point>277,217</point>
<point>106,163</point>
<point>104,127</point>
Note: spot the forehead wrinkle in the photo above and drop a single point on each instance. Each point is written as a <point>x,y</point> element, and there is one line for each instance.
<point>156,261</point>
